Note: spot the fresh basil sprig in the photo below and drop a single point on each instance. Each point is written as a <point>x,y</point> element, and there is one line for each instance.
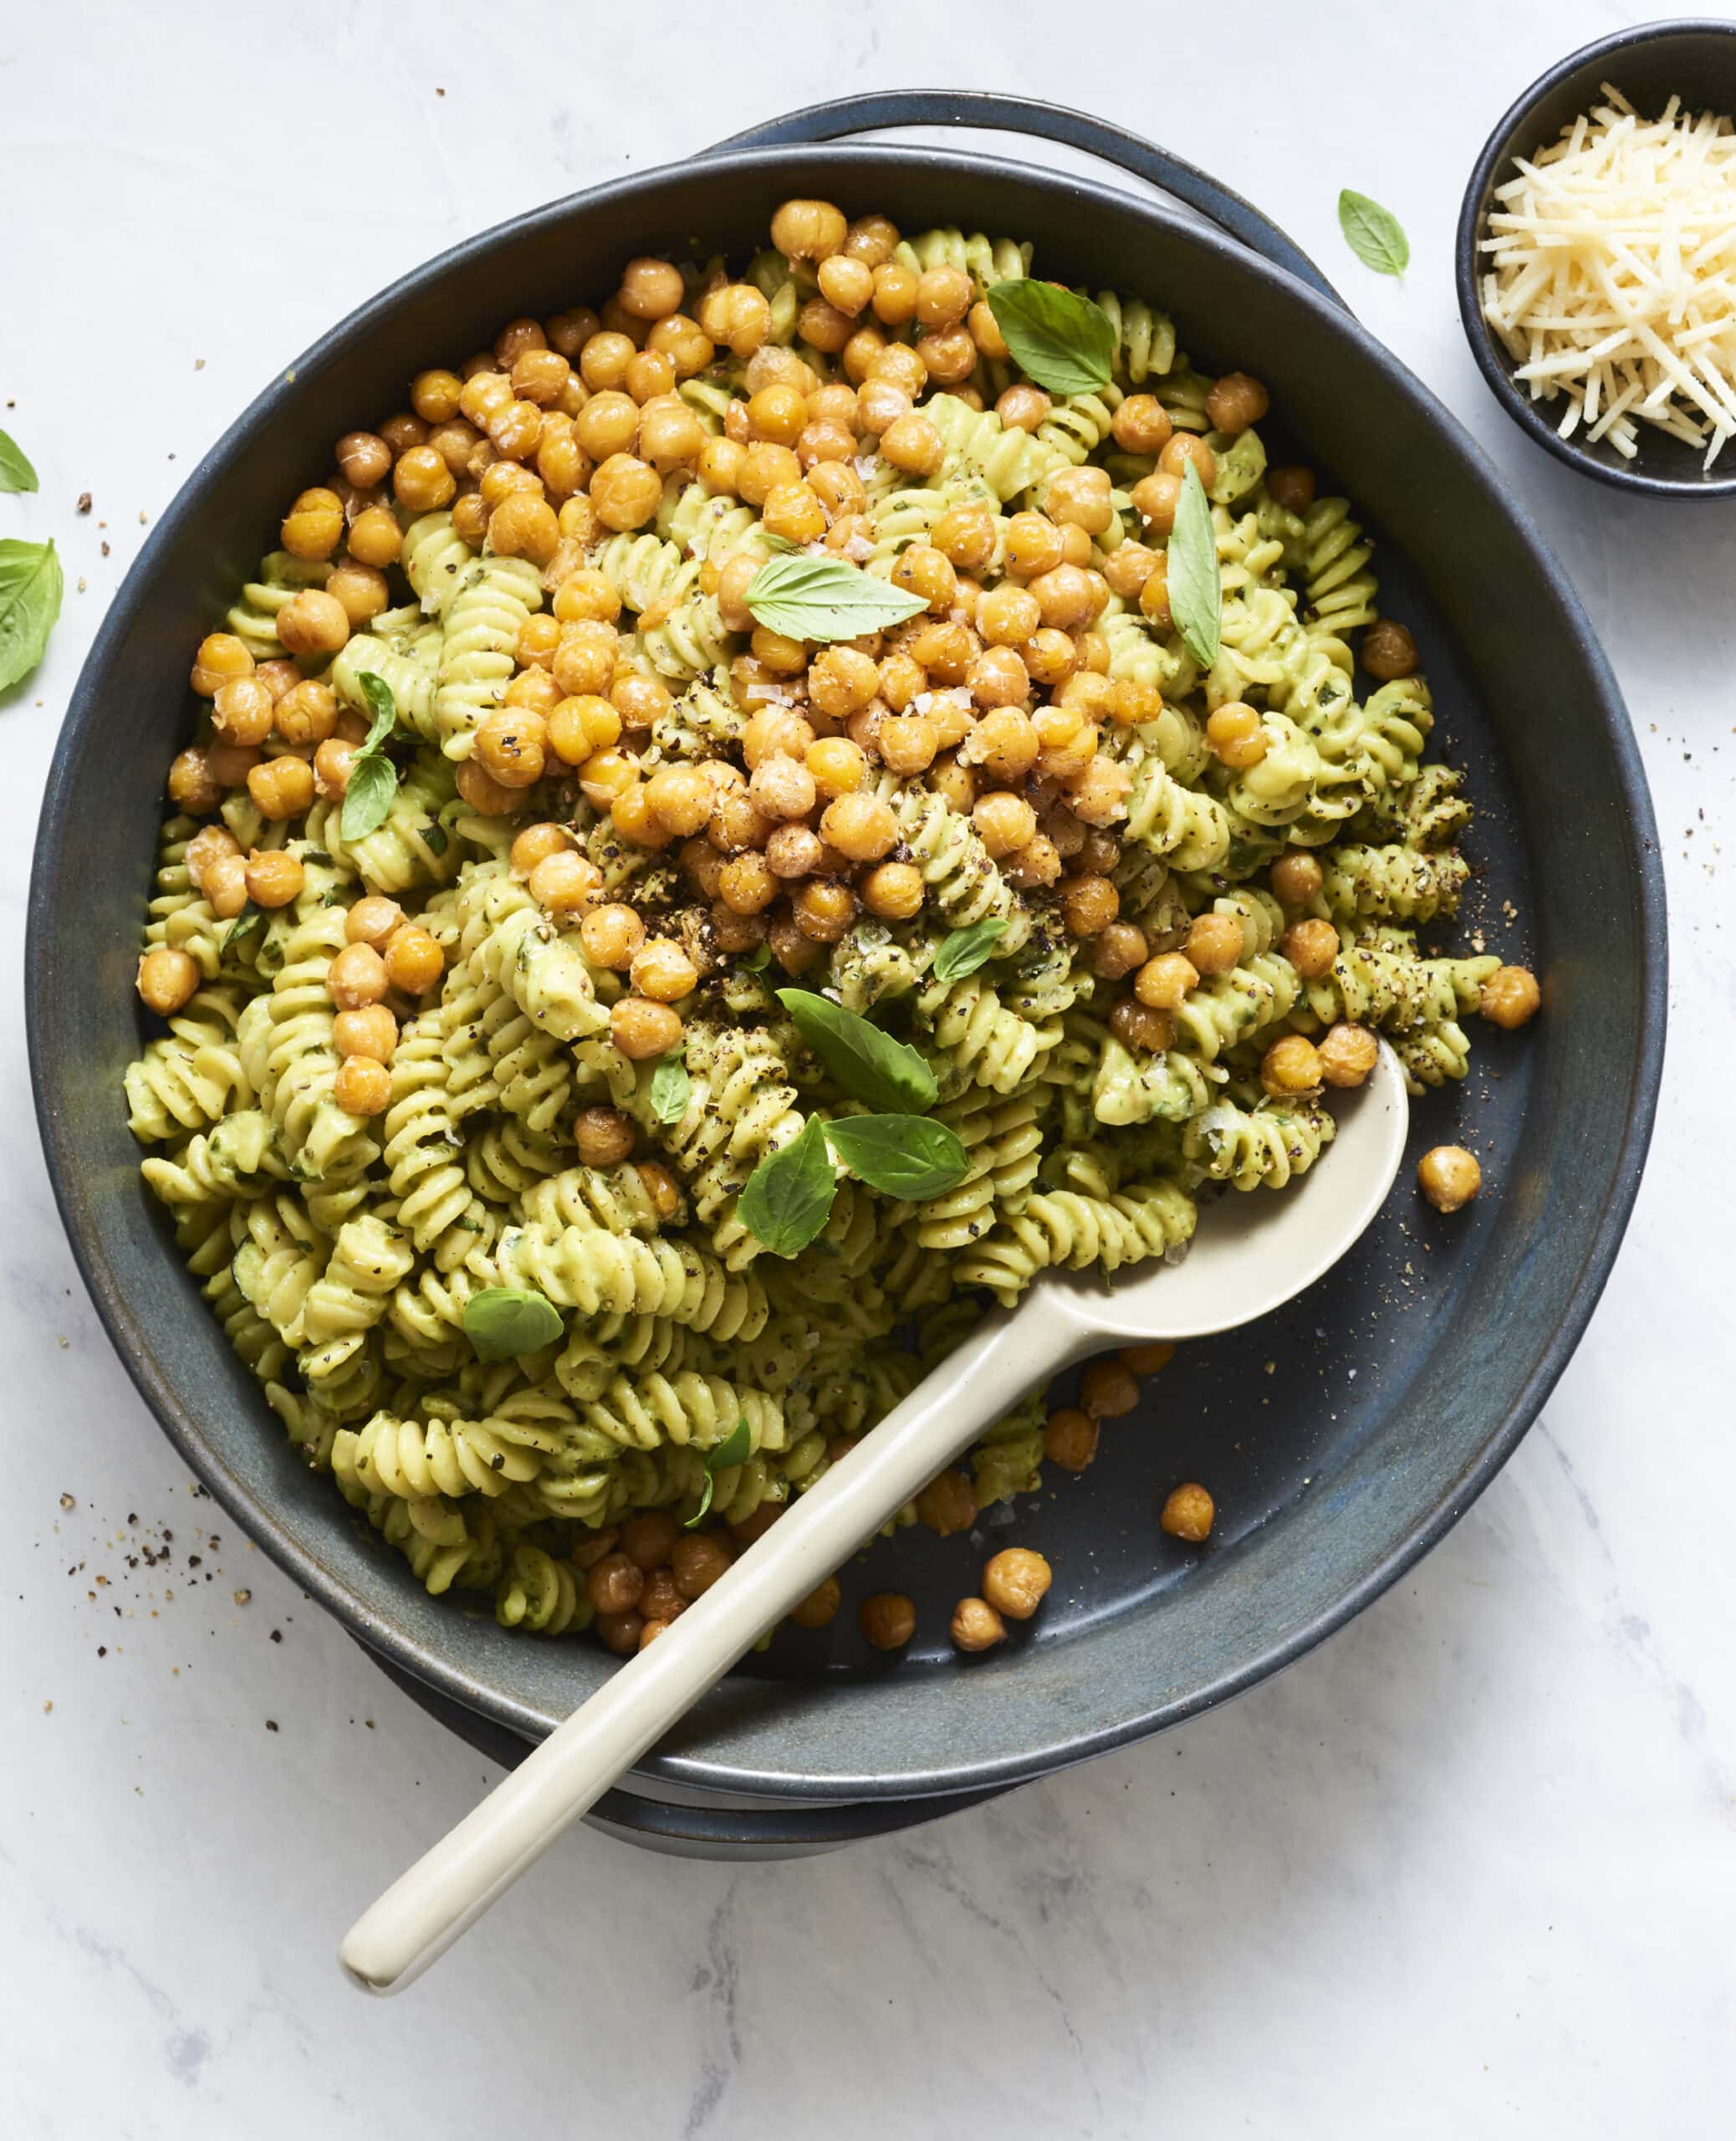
<point>788,1195</point>
<point>902,1156</point>
<point>736,1447</point>
<point>1373,233</point>
<point>1196,592</point>
<point>1057,337</point>
<point>758,959</point>
<point>16,474</point>
<point>964,950</point>
<point>373,777</point>
<point>249,922</point>
<point>30,591</point>
<point>671,1088</point>
<point>503,1321</point>
<point>825,599</point>
<point>870,1065</point>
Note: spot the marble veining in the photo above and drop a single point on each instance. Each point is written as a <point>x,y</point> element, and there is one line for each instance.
<point>1469,1869</point>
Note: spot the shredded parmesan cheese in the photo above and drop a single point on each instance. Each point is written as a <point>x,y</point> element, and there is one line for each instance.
<point>1612,274</point>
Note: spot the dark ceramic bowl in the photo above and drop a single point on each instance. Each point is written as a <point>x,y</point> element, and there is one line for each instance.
<point>1695,60</point>
<point>1342,1438</point>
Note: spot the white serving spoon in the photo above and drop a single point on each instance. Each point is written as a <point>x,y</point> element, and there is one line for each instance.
<point>1251,1254</point>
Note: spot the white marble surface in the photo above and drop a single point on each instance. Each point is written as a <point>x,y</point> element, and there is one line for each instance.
<point>1469,1869</point>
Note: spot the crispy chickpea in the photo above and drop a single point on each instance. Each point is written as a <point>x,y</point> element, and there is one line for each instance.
<point>1064,596</point>
<point>585,596</point>
<point>584,661</point>
<point>1088,904</point>
<point>965,536</point>
<point>604,1137</point>
<point>808,230</point>
<point>525,526</point>
<point>766,466</point>
<point>976,1626</point>
<point>1449,1177</point>
<point>746,884</point>
<point>777,414</point>
<point>957,783</point>
<point>363,458</point>
<point>1290,1066</point>
<point>1109,1389</point>
<point>606,775</point>
<point>1348,1054</point>
<point>414,961</point>
<point>793,513</point>
<point>1187,1513</point>
<point>839,767</point>
<point>1016,1583</point>
<point>894,891</point>
<point>1128,568</point>
<point>1156,497</point>
<point>698,1560</point>
<point>281,788</point>
<point>1150,1357</point>
<point>1154,602</point>
<point>167,979</point>
<point>912,443</point>
<point>1120,949</point>
<point>421,482</point>
<point>371,1031</point>
<point>243,711</point>
<point>879,405</point>
<point>660,1602</point>
<point>482,393</point>
<point>819,1608</point>
<point>603,361</point>
<point>907,742</point>
<point>510,747</point>
<point>581,726</point>
<point>861,827</point>
<point>611,936</point>
<point>312,622</point>
<point>608,423</point>
<point>1292,487</point>
<point>362,590</point>
<point>1099,794</point>
<point>1142,424</point>
<point>1034,546</point>
<point>1069,1438</point>
<point>641,1030</point>
<point>845,284</point>
<point>650,290</point>
<point>1184,447</point>
<point>372,920</point>
<point>1297,879</point>
<point>434,396</point>
<point>614,1584</point>
<point>1080,497</point>
<point>1214,943</point>
<point>1023,407</point>
<point>888,1619</point>
<point>661,1186</point>
<point>1510,997</point>
<point>362,1085</point>
<point>1388,652</point>
<point>356,977</point>
<point>211,845</point>
<point>793,952</point>
<point>737,316</point>
<point>950,358</point>
<point>948,1503</point>
<point>998,678</point>
<point>1137,1025</point>
<point>894,299</point>
<point>662,971</point>
<point>1310,947</point>
<point>470,518</point>
<point>314,526</point>
<point>841,680</point>
<point>1164,983</point>
<point>823,912</point>
<point>782,787</point>
<point>1048,655</point>
<point>625,491</point>
<point>565,883</point>
<point>1234,402</point>
<point>670,434</point>
<point>1037,863</point>
<point>944,649</point>
<point>220,658</point>
<point>943,296</point>
<point>1005,823</point>
<point>274,878</point>
<point>680,797</point>
<point>622,1633</point>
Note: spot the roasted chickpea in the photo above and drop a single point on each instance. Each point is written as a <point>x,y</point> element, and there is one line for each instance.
<point>650,290</point>
<point>737,316</point>
<point>1080,497</point>
<point>603,361</point>
<point>1184,447</point>
<point>622,1633</point>
<point>364,459</point>
<point>1234,402</point>
<point>1005,823</point>
<point>243,711</point>
<point>356,977</point>
<point>1310,947</point>
<point>1137,1025</point>
<point>792,951</point>
<point>565,883</point>
<point>998,678</point>
<point>765,467</point>
<point>312,622</point>
<point>414,961</point>
<point>372,920</point>
<point>976,1626</point>
<point>641,1030</point>
<point>808,230</point>
<point>1164,983</point>
<point>1292,487</point>
<point>1120,949</point>
<point>1016,1583</point>
<point>894,299</point>
<point>363,591</point>
<point>907,742</point>
<point>614,1584</point>
<point>1034,546</point>
<point>582,726</point>
<point>1156,497</point>
<point>625,491</point>
<point>845,284</point>
<point>1069,1438</point>
<point>662,971</point>
<point>611,935</point>
<point>313,527</point>
<point>950,358</point>
<point>167,979</point>
<point>362,1085</point>
<point>698,1561</point>
<point>670,434</point>
<point>1142,424</point>
<point>281,788</point>
<point>274,878</point>
<point>682,797</point>
<point>838,766</point>
<point>879,405</point>
<point>1088,904</point>
<point>912,443</point>
<point>1291,1065</point>
<point>510,747</point>
<point>584,661</point>
<point>1128,568</point>
<point>220,659</point>
<point>604,1137</point>
<point>371,1031</point>
<point>421,482</point>
<point>948,1503</point>
<point>1510,997</point>
<point>1348,1054</point>
<point>1023,407</point>
<point>1154,603</point>
<point>888,1619</point>
<point>1037,863</point>
<point>660,1186</point>
<point>1048,655</point>
<point>525,526</point>
<point>1297,879</point>
<point>841,680</point>
<point>1064,596</point>
<point>1187,1513</point>
<point>824,911</point>
<point>894,890</point>
<point>1108,1389</point>
<point>1449,1177</point>
<point>1214,943</point>
<point>819,1608</point>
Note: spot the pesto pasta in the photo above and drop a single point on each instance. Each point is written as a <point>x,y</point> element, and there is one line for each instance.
<point>530,815</point>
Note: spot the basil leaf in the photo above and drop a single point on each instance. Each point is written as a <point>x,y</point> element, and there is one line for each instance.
<point>758,959</point>
<point>966,949</point>
<point>248,923</point>
<point>1061,340</point>
<point>373,783</point>
<point>825,599</point>
<point>503,1321</point>
<point>870,1065</point>
<point>1195,593</point>
<point>381,705</point>
<point>781,543</point>
<point>789,1194</point>
<point>736,1447</point>
<point>671,1089</point>
<point>16,474</point>
<point>1373,233</point>
<point>30,591</point>
<point>435,840</point>
<point>903,1156</point>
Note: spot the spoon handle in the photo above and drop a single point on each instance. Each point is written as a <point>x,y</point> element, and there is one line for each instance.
<point>450,1887</point>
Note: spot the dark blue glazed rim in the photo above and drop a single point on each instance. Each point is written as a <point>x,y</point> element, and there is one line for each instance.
<point>1694,59</point>
<point>1325,1499</point>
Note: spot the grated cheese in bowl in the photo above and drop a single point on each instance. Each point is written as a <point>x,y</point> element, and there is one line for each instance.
<point>1612,274</point>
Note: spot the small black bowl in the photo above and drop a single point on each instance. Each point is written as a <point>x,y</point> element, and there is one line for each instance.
<point>1695,60</point>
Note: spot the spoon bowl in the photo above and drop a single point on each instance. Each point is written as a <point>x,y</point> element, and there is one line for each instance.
<point>1250,1254</point>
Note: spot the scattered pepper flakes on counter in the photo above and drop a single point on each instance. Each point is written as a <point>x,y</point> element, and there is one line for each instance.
<point>271,1725</point>
<point>242,1596</point>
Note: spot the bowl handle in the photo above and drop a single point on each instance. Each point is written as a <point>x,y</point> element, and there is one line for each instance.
<point>886,108</point>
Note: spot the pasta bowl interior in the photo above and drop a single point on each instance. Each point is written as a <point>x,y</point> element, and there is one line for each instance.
<point>1340,1438</point>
